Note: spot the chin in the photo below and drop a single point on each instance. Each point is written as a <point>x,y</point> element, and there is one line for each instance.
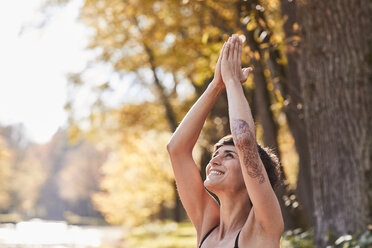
<point>208,184</point>
<point>212,185</point>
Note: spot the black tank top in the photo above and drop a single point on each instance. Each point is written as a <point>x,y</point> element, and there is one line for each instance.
<point>236,240</point>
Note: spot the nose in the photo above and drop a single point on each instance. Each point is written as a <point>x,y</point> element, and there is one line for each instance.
<point>212,163</point>
<point>215,161</point>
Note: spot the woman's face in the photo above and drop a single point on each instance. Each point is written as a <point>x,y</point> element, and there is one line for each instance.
<point>223,170</point>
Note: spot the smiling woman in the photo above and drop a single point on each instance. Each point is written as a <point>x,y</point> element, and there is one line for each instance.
<point>241,173</point>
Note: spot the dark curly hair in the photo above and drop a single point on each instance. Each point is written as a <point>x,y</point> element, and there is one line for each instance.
<point>268,158</point>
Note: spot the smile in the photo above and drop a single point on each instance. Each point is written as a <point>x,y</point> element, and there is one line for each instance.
<point>216,172</point>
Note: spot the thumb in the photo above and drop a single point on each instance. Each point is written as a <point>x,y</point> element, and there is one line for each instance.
<point>244,74</point>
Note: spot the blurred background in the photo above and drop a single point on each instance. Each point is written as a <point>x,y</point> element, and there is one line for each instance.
<point>92,90</point>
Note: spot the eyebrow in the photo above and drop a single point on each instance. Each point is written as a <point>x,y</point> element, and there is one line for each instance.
<point>226,151</point>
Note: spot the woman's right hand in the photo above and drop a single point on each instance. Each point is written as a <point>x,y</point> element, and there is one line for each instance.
<point>217,79</point>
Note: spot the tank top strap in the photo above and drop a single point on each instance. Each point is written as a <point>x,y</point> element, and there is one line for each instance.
<point>236,240</point>
<point>207,235</point>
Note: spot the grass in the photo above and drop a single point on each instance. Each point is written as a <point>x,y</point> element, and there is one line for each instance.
<point>183,235</point>
<point>164,235</point>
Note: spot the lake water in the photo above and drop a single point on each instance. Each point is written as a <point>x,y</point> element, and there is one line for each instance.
<point>58,234</point>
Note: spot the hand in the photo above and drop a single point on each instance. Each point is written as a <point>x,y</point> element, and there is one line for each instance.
<point>217,80</point>
<point>231,62</point>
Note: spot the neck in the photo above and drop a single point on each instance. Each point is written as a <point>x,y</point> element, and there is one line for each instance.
<point>234,210</point>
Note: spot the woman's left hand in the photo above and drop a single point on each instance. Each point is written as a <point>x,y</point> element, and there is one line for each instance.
<point>231,70</point>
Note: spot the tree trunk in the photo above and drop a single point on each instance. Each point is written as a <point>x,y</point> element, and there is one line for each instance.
<point>263,103</point>
<point>294,109</point>
<point>179,211</point>
<point>294,115</point>
<point>335,71</point>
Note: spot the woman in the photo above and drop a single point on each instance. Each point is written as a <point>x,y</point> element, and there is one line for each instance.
<point>248,214</point>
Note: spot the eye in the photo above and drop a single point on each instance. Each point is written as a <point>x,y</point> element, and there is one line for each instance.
<point>229,155</point>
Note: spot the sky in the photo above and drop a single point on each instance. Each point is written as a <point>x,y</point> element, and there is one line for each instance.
<point>34,62</point>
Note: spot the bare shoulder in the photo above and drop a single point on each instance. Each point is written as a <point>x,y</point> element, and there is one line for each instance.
<point>254,235</point>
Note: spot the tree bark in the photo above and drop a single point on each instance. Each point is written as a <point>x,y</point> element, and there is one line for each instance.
<point>335,70</point>
<point>293,109</point>
<point>179,211</point>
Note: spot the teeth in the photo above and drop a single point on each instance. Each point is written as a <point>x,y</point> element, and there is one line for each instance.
<point>215,173</point>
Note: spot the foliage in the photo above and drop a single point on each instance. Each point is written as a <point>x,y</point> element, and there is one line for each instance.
<point>138,180</point>
<point>21,172</point>
<point>33,177</point>
<point>80,177</point>
<point>138,183</point>
<point>150,34</point>
<point>305,239</point>
<point>28,178</point>
<point>363,240</point>
<point>297,239</point>
<point>178,38</point>
<point>73,175</point>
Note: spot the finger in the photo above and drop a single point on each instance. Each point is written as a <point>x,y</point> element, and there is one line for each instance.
<point>226,51</point>
<point>240,52</point>
<point>221,53</point>
<point>229,40</point>
<point>245,73</point>
<point>237,40</point>
<point>233,48</point>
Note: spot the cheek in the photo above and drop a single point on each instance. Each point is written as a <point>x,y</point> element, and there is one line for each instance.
<point>235,168</point>
<point>207,168</point>
<point>238,170</point>
<point>239,179</point>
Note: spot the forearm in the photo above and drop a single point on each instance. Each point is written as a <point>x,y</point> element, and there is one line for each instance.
<point>243,131</point>
<point>238,106</point>
<point>187,133</point>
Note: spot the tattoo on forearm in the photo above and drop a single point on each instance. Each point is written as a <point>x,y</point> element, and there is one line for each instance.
<point>246,142</point>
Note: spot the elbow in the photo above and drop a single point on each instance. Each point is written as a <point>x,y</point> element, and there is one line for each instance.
<point>171,148</point>
<point>177,148</point>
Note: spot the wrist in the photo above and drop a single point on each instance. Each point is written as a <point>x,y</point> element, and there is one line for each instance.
<point>232,82</point>
<point>217,87</point>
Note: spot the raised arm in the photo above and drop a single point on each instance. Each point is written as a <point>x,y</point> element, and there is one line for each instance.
<point>265,204</point>
<point>202,209</point>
